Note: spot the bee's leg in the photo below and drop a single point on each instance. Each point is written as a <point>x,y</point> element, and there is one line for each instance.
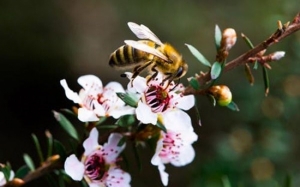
<point>138,69</point>
<point>176,85</point>
<point>153,75</point>
<point>168,77</point>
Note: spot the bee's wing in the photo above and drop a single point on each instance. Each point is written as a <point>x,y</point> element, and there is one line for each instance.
<point>143,32</point>
<point>146,48</point>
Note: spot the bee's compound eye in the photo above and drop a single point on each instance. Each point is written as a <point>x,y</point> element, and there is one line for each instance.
<point>179,71</point>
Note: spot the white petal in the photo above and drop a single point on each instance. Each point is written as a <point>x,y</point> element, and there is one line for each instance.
<point>138,85</point>
<point>111,148</point>
<point>121,111</point>
<point>86,115</point>
<point>91,84</point>
<point>118,178</point>
<point>156,159</point>
<point>2,179</point>
<point>12,175</point>
<point>91,143</point>
<point>164,176</point>
<point>74,168</point>
<point>177,120</point>
<point>145,115</point>
<point>69,93</point>
<point>115,86</point>
<point>185,102</point>
<point>186,156</point>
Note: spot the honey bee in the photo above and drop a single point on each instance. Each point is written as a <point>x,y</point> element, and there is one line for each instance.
<point>149,53</point>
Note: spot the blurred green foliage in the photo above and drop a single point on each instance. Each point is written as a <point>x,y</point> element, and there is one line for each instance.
<point>45,41</point>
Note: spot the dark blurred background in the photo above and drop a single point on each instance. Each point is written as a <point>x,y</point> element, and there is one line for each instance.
<point>42,42</point>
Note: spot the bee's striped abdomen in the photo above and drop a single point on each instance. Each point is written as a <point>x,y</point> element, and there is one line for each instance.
<point>127,56</point>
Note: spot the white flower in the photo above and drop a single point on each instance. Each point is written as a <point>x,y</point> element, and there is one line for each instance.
<point>157,99</point>
<point>96,101</point>
<point>98,163</point>
<point>3,180</point>
<point>175,147</point>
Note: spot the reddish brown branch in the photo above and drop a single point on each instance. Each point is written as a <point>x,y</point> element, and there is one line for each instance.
<point>274,38</point>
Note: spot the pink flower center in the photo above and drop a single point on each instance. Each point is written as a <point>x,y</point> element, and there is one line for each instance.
<point>157,98</point>
<point>95,167</point>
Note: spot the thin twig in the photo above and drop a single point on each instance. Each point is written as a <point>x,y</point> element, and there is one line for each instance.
<point>274,38</point>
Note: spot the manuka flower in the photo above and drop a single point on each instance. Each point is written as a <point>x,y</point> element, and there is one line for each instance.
<point>98,163</point>
<point>3,180</point>
<point>174,146</point>
<point>156,99</point>
<point>96,101</point>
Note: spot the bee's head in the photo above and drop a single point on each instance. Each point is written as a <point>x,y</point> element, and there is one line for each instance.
<point>181,71</point>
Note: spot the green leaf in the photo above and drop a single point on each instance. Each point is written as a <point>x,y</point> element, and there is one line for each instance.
<point>233,106</point>
<point>50,143</point>
<point>249,74</point>
<point>126,121</point>
<point>287,181</point>
<point>194,83</point>
<point>218,37</point>
<point>61,181</point>
<point>129,98</point>
<point>66,125</point>
<point>198,55</point>
<point>197,112</point>
<point>108,126</point>
<point>59,149</point>
<point>255,65</point>
<point>161,126</point>
<point>29,162</point>
<point>68,111</point>
<point>6,171</point>
<point>101,120</point>
<point>137,157</point>
<point>212,98</point>
<point>122,141</point>
<point>266,80</point>
<point>226,182</point>
<point>38,147</point>
<point>215,70</point>
<point>22,171</point>
<point>248,41</point>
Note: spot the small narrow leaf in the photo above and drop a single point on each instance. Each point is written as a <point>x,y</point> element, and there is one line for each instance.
<point>194,83</point>
<point>137,157</point>
<point>29,162</point>
<point>255,65</point>
<point>198,55</point>
<point>197,112</point>
<point>68,111</point>
<point>247,40</point>
<point>38,147</point>
<point>266,80</point>
<point>101,120</point>
<point>50,143</point>
<point>22,171</point>
<point>108,126</point>
<point>287,181</point>
<point>161,126</point>
<point>122,141</point>
<point>218,37</point>
<point>126,121</point>
<point>233,106</point>
<point>226,182</point>
<point>59,149</point>
<point>128,98</point>
<point>215,70</point>
<point>66,125</point>
<point>249,74</point>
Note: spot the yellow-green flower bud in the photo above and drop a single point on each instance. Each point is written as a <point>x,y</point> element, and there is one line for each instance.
<point>222,94</point>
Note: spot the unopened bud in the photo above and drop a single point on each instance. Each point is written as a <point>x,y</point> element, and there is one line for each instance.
<point>277,55</point>
<point>222,94</point>
<point>228,38</point>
